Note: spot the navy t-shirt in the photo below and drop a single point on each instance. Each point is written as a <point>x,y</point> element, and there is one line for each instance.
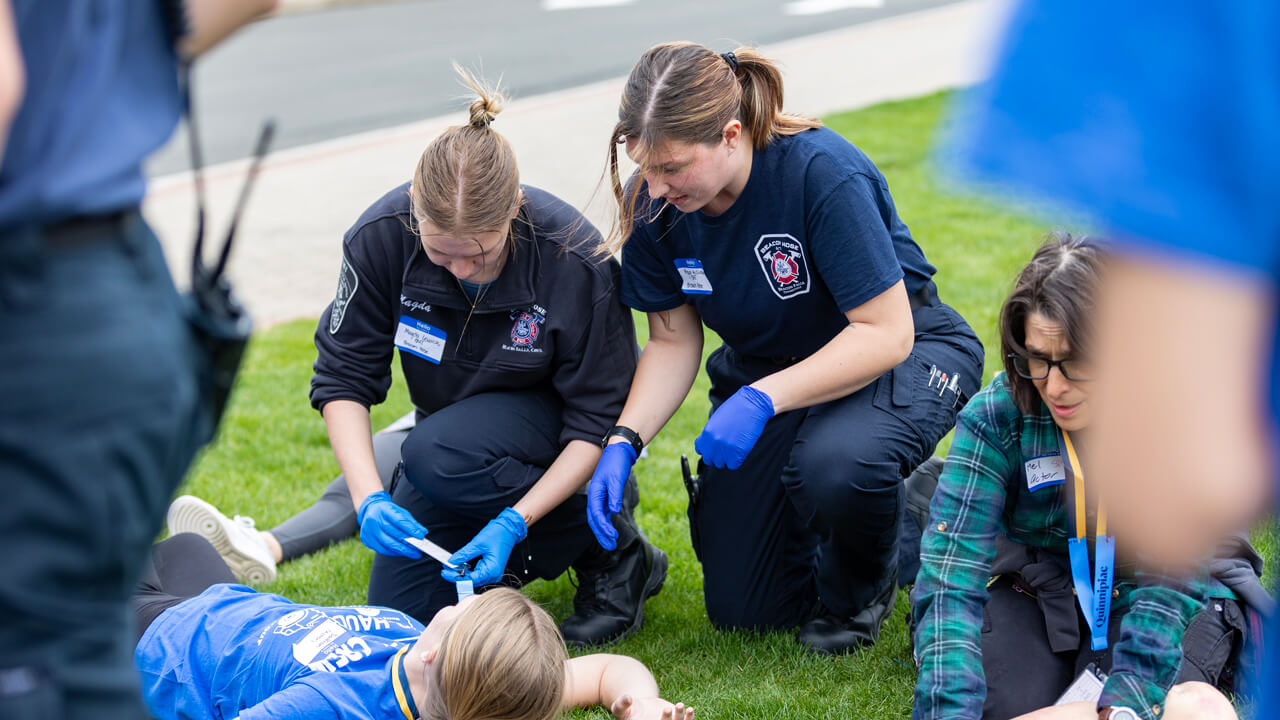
<point>813,235</point>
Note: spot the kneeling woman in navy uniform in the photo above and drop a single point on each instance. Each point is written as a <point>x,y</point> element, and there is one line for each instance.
<point>840,369</point>
<point>517,353</point>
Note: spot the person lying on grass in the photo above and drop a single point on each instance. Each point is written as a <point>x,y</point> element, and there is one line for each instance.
<point>211,648</point>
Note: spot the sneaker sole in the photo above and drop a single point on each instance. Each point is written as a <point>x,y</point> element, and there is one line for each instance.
<point>652,586</point>
<point>193,515</point>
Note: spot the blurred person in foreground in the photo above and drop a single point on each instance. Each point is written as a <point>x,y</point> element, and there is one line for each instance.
<point>1013,533</point>
<point>1166,127</point>
<point>101,399</point>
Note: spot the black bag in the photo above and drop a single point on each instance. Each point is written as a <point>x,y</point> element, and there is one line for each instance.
<point>218,321</point>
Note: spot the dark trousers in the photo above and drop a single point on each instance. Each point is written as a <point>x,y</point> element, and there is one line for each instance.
<point>98,423</point>
<point>813,514</point>
<point>1024,673</point>
<point>178,569</point>
<point>464,464</point>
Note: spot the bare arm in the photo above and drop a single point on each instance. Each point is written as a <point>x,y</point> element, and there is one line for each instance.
<point>621,684</point>
<point>1183,441</point>
<point>211,21</point>
<point>1186,701</point>
<point>351,436</point>
<point>666,371</point>
<point>570,471</point>
<point>879,336</point>
<point>13,75</point>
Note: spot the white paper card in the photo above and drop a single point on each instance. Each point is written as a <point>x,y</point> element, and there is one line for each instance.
<point>432,549</point>
<point>1086,688</point>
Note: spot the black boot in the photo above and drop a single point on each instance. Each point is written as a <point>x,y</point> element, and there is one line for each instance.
<point>832,635</point>
<point>613,585</point>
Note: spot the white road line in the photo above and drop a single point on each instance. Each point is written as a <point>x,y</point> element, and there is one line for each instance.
<point>817,7</point>
<point>578,4</point>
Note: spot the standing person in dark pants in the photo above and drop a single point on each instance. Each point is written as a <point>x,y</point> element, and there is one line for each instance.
<point>840,369</point>
<point>100,412</point>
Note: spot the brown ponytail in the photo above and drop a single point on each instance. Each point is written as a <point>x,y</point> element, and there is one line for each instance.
<point>686,92</point>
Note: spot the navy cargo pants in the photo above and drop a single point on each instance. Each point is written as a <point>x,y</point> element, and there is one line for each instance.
<point>813,514</point>
<point>98,423</point>
<point>464,464</point>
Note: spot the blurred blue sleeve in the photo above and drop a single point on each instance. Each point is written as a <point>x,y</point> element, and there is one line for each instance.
<point>1161,121</point>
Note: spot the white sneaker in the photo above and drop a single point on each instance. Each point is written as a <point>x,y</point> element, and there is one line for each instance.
<point>239,544</point>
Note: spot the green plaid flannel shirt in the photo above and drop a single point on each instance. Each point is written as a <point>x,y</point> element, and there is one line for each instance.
<point>982,492</point>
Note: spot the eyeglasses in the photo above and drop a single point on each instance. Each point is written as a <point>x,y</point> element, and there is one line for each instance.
<point>1034,368</point>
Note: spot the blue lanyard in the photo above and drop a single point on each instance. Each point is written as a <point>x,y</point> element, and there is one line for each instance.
<point>1095,599</point>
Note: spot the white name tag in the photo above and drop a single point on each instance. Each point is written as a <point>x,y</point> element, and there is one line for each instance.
<point>1086,688</point>
<point>418,338</point>
<point>693,279</point>
<point>317,642</point>
<point>1044,472</point>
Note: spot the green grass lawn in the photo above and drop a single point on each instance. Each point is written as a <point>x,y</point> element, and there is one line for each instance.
<point>272,458</point>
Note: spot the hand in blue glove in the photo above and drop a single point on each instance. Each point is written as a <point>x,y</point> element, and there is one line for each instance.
<point>604,493</point>
<point>493,546</point>
<point>734,428</point>
<point>384,525</point>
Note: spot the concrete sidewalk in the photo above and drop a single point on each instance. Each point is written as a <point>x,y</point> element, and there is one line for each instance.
<point>286,258</point>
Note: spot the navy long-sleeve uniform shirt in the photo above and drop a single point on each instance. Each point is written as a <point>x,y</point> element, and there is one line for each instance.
<point>551,320</point>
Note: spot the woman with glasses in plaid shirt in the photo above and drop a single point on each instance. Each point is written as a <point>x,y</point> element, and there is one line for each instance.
<point>1019,592</point>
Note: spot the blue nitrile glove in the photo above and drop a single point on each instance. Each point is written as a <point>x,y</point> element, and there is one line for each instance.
<point>384,525</point>
<point>734,428</point>
<point>493,546</point>
<point>604,493</point>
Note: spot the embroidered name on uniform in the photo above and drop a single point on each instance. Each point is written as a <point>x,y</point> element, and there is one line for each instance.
<point>348,281</point>
<point>526,328</point>
<point>415,304</point>
<point>782,258</point>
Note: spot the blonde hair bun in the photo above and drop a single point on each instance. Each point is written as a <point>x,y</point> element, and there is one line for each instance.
<point>489,103</point>
<point>467,179</point>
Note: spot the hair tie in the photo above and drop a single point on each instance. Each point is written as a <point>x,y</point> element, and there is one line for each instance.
<point>732,60</point>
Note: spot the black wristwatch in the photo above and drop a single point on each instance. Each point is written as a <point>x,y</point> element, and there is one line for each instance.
<point>627,434</point>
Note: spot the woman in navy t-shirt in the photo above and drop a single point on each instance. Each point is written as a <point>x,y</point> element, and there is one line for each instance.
<point>840,369</point>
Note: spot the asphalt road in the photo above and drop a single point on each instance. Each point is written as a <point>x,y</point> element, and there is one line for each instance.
<point>341,71</point>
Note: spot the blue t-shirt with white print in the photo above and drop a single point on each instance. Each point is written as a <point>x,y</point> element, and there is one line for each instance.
<point>814,234</point>
<point>234,652</point>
